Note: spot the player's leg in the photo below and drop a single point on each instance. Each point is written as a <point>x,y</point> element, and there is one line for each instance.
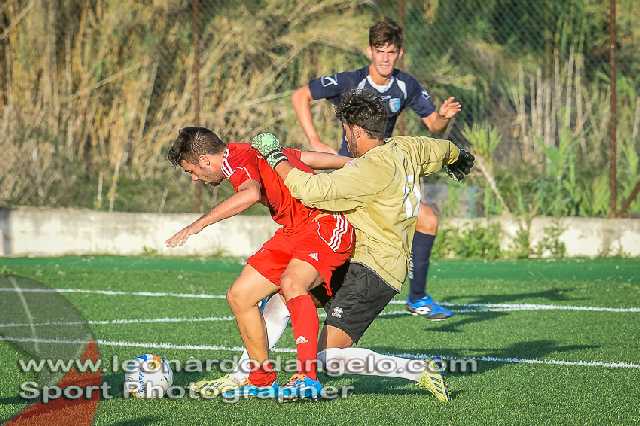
<point>339,357</point>
<point>357,302</point>
<point>276,318</point>
<point>423,239</point>
<point>419,301</point>
<point>348,360</point>
<point>321,248</point>
<point>243,297</point>
<point>354,307</point>
<point>297,280</point>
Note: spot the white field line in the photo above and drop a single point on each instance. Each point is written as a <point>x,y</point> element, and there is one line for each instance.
<point>125,321</point>
<point>116,292</point>
<point>471,307</point>
<point>172,346</point>
<point>120,321</point>
<point>27,311</point>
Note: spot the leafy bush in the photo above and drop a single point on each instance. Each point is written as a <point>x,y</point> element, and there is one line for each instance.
<point>470,242</point>
<point>550,243</point>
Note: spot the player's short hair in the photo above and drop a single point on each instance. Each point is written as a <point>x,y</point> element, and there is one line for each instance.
<point>193,142</point>
<point>365,109</point>
<point>385,31</point>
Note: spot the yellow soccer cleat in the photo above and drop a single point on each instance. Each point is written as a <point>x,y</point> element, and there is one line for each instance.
<point>432,380</point>
<point>209,388</point>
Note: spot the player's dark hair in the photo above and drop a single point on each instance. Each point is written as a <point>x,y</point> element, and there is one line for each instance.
<point>193,142</point>
<point>385,31</point>
<point>364,109</point>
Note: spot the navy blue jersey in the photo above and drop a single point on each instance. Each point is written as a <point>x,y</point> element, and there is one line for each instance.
<point>402,91</point>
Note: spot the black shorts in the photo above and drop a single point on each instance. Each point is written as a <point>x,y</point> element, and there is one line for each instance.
<point>359,296</point>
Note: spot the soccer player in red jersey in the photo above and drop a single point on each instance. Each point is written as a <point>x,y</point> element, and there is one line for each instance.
<point>302,254</point>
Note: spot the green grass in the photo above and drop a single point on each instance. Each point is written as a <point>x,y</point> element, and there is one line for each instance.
<point>498,393</point>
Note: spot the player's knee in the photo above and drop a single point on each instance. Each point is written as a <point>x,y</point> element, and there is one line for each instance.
<point>234,299</point>
<point>290,288</point>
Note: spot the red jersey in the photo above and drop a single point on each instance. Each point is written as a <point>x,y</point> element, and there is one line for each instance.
<point>241,162</point>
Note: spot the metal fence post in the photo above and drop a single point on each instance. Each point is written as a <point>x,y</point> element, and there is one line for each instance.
<point>613,117</point>
<point>195,40</point>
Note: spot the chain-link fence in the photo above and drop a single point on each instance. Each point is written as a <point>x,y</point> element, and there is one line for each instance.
<point>535,79</point>
<point>93,91</point>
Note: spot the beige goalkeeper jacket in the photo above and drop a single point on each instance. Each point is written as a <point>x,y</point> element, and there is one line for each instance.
<point>380,195</point>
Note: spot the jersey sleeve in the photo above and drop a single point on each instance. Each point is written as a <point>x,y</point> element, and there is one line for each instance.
<point>331,86</point>
<point>292,153</point>
<point>419,100</point>
<point>345,189</point>
<point>432,154</point>
<point>241,168</point>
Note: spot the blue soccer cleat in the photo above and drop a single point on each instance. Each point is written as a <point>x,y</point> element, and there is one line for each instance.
<point>429,309</point>
<point>300,387</point>
<point>252,391</point>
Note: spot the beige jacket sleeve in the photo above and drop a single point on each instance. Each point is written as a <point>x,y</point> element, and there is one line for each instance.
<point>346,189</point>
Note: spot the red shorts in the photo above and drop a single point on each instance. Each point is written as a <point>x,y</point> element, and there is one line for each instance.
<point>325,243</point>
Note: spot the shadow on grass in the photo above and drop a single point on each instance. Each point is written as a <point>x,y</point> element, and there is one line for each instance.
<point>10,400</point>
<point>536,349</point>
<point>460,319</point>
<point>554,294</point>
<point>454,324</point>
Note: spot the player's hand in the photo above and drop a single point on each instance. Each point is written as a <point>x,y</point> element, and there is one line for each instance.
<point>181,237</point>
<point>318,146</point>
<point>449,108</point>
<point>268,145</point>
<point>462,166</point>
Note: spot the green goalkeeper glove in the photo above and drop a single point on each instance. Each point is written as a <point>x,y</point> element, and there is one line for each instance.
<point>268,145</point>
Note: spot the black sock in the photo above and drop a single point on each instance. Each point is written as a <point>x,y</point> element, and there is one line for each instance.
<point>421,252</point>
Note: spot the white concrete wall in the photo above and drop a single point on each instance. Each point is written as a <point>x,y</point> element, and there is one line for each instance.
<point>592,237</point>
<point>49,232</point>
<point>581,236</point>
<point>52,232</point>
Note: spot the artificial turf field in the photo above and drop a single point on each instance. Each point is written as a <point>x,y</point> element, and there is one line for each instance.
<point>499,322</point>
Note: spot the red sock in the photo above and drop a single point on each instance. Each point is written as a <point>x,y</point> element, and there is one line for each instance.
<point>305,324</point>
<point>262,376</point>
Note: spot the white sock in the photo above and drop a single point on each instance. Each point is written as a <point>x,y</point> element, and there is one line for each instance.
<point>276,318</point>
<point>363,361</point>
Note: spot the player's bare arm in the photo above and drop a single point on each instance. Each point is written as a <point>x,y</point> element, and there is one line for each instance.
<point>248,194</point>
<point>323,160</point>
<point>437,121</point>
<point>283,169</point>
<point>301,100</point>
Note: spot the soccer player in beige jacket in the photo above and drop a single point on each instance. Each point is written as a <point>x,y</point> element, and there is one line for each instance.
<point>379,194</point>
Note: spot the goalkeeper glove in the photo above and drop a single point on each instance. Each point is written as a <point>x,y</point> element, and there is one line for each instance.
<point>462,166</point>
<point>268,145</point>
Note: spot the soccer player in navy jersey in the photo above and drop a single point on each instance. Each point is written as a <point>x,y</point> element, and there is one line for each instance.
<point>399,90</point>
